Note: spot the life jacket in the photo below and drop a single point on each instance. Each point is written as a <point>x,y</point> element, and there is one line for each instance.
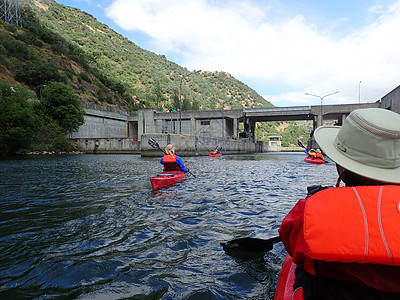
<point>312,154</point>
<point>319,155</point>
<point>170,163</point>
<point>354,225</point>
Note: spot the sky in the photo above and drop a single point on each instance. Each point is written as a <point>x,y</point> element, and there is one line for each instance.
<point>337,52</point>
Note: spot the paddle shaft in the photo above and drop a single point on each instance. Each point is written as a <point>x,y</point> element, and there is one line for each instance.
<point>301,144</point>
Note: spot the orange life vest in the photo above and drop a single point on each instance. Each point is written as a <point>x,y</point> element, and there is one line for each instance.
<point>354,224</point>
<point>170,163</point>
<point>169,158</point>
<point>312,154</point>
<point>319,155</point>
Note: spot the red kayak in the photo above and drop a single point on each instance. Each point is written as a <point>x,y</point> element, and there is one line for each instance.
<point>166,178</point>
<point>215,155</point>
<point>314,160</point>
<point>284,287</point>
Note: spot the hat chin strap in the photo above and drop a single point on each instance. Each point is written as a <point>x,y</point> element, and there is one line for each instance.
<point>340,178</point>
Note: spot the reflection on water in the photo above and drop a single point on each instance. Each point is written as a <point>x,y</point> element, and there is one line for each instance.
<point>90,226</point>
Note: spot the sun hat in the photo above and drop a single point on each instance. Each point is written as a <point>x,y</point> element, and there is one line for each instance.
<point>170,149</point>
<point>368,143</point>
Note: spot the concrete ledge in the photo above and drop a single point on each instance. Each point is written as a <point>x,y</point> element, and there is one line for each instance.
<point>192,145</point>
<point>186,145</point>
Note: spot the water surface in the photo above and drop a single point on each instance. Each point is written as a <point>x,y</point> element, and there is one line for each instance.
<point>90,226</point>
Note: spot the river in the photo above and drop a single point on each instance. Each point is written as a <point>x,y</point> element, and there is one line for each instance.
<point>90,226</point>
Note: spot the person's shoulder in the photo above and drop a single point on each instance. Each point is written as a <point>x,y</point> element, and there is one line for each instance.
<point>313,189</point>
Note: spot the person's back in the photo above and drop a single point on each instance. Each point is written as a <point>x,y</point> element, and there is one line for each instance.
<point>343,239</point>
<point>169,162</point>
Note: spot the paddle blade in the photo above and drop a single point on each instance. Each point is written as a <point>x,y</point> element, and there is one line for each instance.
<point>153,143</point>
<point>250,244</point>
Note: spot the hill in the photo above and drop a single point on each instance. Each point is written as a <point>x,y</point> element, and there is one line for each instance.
<point>60,44</point>
<point>104,67</point>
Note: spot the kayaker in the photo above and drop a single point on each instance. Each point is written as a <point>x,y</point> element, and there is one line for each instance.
<point>171,161</point>
<point>344,240</point>
<point>318,154</point>
<point>314,153</point>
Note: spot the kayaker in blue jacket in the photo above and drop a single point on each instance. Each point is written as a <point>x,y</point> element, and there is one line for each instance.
<point>171,161</point>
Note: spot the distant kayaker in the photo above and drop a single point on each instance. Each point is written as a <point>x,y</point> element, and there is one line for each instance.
<point>345,240</point>
<point>314,153</point>
<point>171,161</point>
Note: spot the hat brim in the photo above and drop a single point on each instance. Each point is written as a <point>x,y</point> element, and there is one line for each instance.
<point>325,137</point>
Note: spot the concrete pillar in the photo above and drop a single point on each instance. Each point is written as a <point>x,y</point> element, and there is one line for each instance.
<point>252,130</point>
<point>192,126</point>
<point>146,122</point>
<point>246,124</point>
<point>235,128</point>
<point>141,125</point>
<point>343,118</point>
<point>319,120</point>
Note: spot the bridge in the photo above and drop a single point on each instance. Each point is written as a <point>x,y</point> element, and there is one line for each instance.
<point>317,114</point>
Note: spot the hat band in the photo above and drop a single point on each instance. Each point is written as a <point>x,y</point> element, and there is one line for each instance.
<point>367,159</point>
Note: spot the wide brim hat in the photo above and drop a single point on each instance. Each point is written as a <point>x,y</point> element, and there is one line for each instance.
<point>368,143</point>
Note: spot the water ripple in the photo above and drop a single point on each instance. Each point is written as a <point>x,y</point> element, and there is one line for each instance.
<point>90,227</point>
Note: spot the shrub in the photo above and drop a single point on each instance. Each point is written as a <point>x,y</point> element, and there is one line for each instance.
<point>59,101</point>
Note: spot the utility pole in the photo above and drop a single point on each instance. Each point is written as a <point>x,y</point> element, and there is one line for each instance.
<point>10,12</point>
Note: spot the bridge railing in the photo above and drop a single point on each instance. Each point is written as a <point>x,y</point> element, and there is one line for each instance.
<point>278,109</point>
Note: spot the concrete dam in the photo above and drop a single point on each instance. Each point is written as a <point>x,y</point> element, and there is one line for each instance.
<point>194,132</point>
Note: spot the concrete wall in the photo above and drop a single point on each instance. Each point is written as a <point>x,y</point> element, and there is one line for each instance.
<point>95,127</point>
<point>392,100</point>
<point>211,125</point>
<point>102,124</point>
<point>192,145</point>
<point>110,145</point>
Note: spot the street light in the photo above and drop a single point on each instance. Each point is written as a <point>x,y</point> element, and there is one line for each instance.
<point>180,100</point>
<point>322,116</point>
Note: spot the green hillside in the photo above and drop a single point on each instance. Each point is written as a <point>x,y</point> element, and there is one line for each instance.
<point>139,78</point>
<point>63,48</point>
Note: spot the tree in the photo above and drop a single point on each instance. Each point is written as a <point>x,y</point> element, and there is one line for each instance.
<point>175,99</point>
<point>17,118</point>
<point>59,101</point>
<point>37,72</point>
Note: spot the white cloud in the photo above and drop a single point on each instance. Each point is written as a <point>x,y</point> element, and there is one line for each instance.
<point>245,40</point>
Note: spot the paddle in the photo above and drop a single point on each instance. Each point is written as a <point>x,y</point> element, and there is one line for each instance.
<point>250,244</point>
<point>155,145</point>
<point>215,149</point>
<point>301,144</point>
